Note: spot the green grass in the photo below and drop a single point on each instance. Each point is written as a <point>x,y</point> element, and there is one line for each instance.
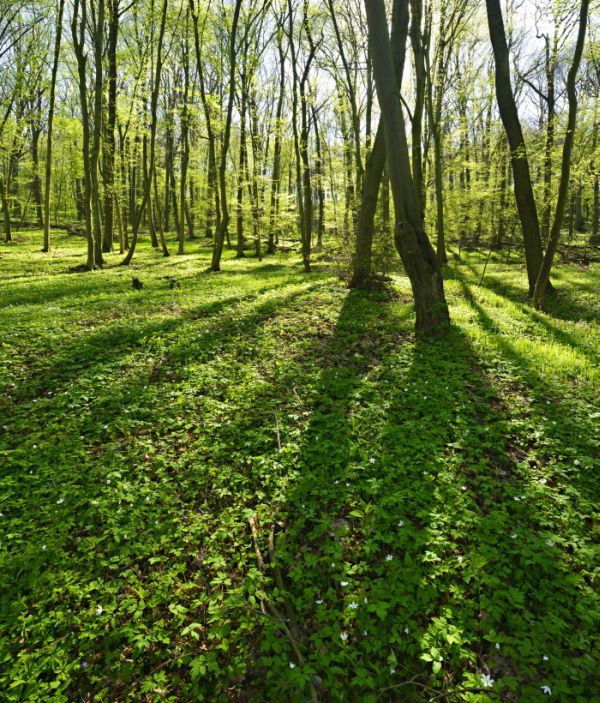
<point>430,505</point>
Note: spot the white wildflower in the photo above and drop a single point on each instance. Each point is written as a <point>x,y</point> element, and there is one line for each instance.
<point>343,636</point>
<point>389,557</point>
<point>487,681</point>
<point>99,610</point>
<point>292,665</point>
<point>353,605</point>
<point>547,690</point>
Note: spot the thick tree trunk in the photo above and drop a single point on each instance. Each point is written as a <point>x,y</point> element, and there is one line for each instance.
<point>417,254</point>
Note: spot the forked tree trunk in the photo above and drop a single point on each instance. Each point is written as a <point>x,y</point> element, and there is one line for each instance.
<point>417,254</point>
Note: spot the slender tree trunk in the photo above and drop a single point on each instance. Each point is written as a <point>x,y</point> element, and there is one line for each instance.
<point>36,183</point>
<point>97,130</point>
<point>276,172</point>
<point>419,41</point>
<point>319,179</point>
<point>255,197</point>
<point>78,29</point>
<point>185,144</point>
<point>5,210</point>
<point>579,218</point>
<point>169,157</point>
<point>362,257</point>
<point>526,206</point>
<point>563,188</point>
<point>149,165</point>
<point>52,99</point>
<point>242,167</point>
<point>110,126</point>
<point>223,225</point>
<point>549,142</point>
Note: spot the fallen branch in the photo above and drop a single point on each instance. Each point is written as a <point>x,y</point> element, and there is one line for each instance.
<point>267,605</point>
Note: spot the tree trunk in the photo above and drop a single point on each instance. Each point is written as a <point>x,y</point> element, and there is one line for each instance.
<point>109,130</point>
<point>78,29</point>
<point>242,167</point>
<point>362,258</point>
<point>563,188</point>
<point>276,172</point>
<point>213,205</point>
<point>48,180</point>
<point>526,206</point>
<point>97,131</point>
<point>36,184</point>
<point>417,254</point>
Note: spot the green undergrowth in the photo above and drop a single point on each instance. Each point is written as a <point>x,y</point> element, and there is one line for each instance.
<point>423,512</point>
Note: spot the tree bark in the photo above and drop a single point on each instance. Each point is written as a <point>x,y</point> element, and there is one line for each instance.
<point>417,254</point>
<point>52,99</point>
<point>522,184</point>
<point>563,188</point>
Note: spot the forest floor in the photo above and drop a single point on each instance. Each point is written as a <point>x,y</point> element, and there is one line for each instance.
<point>183,469</point>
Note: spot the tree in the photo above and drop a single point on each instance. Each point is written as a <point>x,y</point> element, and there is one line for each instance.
<point>48,179</point>
<point>522,181</point>
<point>544,274</point>
<point>417,254</point>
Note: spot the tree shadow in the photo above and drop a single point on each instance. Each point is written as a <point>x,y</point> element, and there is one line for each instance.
<point>411,527</point>
<point>564,303</point>
<point>388,447</point>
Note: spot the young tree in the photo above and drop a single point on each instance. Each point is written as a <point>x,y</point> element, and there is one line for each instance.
<point>544,274</point>
<point>522,181</point>
<point>48,178</point>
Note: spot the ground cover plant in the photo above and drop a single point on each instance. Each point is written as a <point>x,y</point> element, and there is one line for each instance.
<point>257,485</point>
